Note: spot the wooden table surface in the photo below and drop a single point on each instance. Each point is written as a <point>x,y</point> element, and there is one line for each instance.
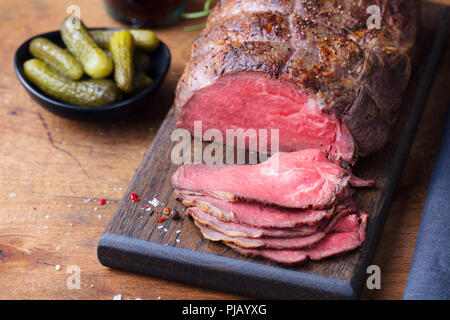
<point>53,171</point>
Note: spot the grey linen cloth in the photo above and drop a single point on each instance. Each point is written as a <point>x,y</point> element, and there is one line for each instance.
<point>429,275</point>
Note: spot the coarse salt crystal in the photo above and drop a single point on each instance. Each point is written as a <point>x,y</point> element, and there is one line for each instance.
<point>58,247</point>
<point>160,227</point>
<point>69,205</point>
<point>99,217</point>
<point>178,231</point>
<point>47,216</point>
<point>67,233</point>
<point>45,227</point>
<point>12,195</point>
<point>117,297</point>
<point>177,240</point>
<point>86,200</point>
<point>154,202</point>
<point>95,209</point>
<point>138,299</point>
<point>58,267</point>
<point>165,230</point>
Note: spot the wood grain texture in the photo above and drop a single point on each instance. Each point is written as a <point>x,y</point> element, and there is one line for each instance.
<point>50,162</point>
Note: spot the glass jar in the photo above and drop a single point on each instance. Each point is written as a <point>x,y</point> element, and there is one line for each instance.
<point>146,13</point>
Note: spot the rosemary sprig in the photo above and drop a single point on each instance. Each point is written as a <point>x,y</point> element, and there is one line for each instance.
<point>200,14</point>
<point>195,27</point>
<point>207,5</point>
<point>196,15</point>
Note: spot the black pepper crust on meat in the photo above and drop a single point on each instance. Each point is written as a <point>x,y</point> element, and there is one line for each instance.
<point>323,46</point>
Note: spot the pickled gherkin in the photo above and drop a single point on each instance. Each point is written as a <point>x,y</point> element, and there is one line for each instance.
<point>102,37</point>
<point>57,57</point>
<point>88,93</point>
<point>141,82</point>
<point>122,50</point>
<point>141,61</point>
<point>144,39</point>
<point>95,61</point>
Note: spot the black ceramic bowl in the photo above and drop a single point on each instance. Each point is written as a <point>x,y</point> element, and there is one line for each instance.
<point>160,62</point>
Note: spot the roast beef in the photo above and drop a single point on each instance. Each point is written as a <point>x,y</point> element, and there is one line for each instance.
<point>273,243</point>
<point>277,209</point>
<point>233,229</point>
<point>347,235</point>
<point>255,214</point>
<point>302,179</point>
<point>348,223</point>
<point>312,69</point>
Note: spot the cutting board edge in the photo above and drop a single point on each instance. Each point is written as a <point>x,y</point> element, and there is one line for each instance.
<point>145,257</point>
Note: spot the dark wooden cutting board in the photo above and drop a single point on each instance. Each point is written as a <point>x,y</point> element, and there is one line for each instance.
<point>132,240</point>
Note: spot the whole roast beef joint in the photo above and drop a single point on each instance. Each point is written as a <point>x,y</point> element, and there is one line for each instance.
<point>329,82</point>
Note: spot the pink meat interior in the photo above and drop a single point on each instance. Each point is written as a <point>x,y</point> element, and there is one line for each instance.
<point>249,100</point>
<point>302,179</point>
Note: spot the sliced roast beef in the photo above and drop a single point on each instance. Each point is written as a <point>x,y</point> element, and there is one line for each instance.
<point>254,214</point>
<point>302,179</point>
<point>233,229</point>
<point>269,210</point>
<point>273,243</point>
<point>315,70</point>
<point>334,243</point>
<point>348,223</point>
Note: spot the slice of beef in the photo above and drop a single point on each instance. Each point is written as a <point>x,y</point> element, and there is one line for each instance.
<point>312,69</point>
<point>342,223</point>
<point>302,179</point>
<point>273,243</point>
<point>255,214</point>
<point>334,243</point>
<point>233,229</point>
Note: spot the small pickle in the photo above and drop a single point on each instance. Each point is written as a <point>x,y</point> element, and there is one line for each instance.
<point>57,57</point>
<point>141,61</point>
<point>141,81</point>
<point>102,37</point>
<point>122,50</point>
<point>144,39</point>
<point>88,93</point>
<point>95,61</point>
